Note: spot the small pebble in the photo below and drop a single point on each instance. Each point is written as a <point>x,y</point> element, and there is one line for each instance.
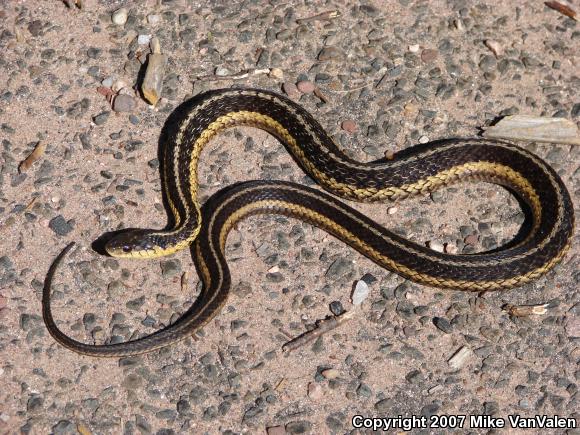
<point>60,226</point>
<point>435,245</point>
<point>471,239</point>
<point>360,293</point>
<point>118,85</point>
<point>330,53</point>
<point>330,373</point>
<point>221,71</point>
<point>275,430</point>
<point>153,19</point>
<point>389,154</point>
<point>429,55</point>
<point>451,248</point>
<point>414,48</point>
<point>124,103</point>
<point>442,324</point>
<point>392,210</point>
<point>101,118</point>
<point>291,90</point>
<point>277,73</point>
<point>494,46</point>
<point>306,86</point>
<point>143,39</point>
<point>108,82</point>
<point>349,126</point>
<point>423,139</point>
<point>315,391</point>
<point>120,16</point>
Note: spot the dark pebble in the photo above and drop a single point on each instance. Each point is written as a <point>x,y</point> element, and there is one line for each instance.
<point>101,118</point>
<point>336,308</point>
<point>298,427</point>
<point>60,226</point>
<point>442,324</point>
<point>64,427</point>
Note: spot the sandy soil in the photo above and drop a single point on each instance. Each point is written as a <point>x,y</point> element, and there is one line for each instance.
<point>404,72</point>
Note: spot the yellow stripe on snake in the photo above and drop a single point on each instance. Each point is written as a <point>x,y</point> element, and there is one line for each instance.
<point>414,172</point>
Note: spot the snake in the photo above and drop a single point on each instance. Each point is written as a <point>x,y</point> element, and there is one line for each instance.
<point>416,171</point>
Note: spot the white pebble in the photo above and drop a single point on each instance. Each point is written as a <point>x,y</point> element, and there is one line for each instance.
<point>108,82</point>
<point>120,17</point>
<point>153,19</point>
<point>143,39</point>
<point>414,48</point>
<point>423,139</point>
<point>450,248</point>
<point>435,245</point>
<point>392,210</point>
<point>221,71</point>
<point>118,85</point>
<point>330,373</point>
<point>360,293</point>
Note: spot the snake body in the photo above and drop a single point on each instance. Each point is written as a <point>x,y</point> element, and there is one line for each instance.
<point>416,172</point>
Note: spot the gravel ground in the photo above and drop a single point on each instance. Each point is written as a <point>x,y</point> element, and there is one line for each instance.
<point>391,74</point>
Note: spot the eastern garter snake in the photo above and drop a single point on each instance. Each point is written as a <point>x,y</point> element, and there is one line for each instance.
<point>417,172</point>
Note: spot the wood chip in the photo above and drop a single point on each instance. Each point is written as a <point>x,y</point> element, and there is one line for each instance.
<point>153,81</point>
<point>535,128</point>
<point>36,154</point>
<point>526,310</point>
<point>460,357</point>
<point>563,9</point>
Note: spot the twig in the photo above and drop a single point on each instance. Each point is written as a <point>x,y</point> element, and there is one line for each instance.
<point>239,75</point>
<point>322,327</point>
<point>563,9</point>
<point>328,15</point>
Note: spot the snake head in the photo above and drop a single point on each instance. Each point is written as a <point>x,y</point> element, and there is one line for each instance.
<point>131,244</point>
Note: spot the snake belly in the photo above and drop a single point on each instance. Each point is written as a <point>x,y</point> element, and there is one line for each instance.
<point>413,172</point>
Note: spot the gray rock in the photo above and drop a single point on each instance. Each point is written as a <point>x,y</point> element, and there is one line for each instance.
<point>60,226</point>
<point>101,118</point>
<point>124,103</point>
<point>298,427</point>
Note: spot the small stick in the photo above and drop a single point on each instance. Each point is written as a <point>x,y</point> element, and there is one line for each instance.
<point>563,9</point>
<point>322,327</point>
<point>184,282</point>
<point>328,15</point>
<point>236,76</point>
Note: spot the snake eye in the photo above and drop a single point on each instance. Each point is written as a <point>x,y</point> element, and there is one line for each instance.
<point>127,248</point>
